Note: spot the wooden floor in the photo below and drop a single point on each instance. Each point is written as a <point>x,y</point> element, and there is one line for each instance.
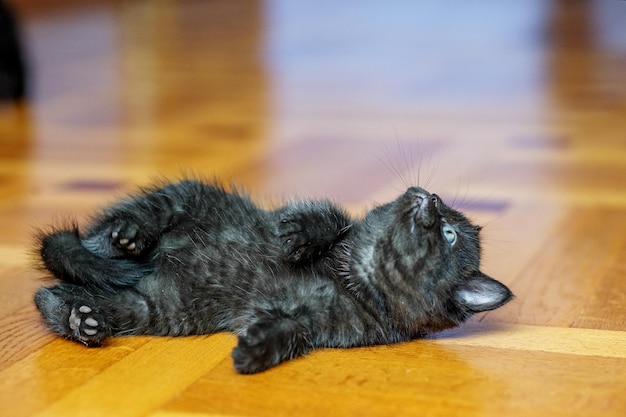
<point>514,111</point>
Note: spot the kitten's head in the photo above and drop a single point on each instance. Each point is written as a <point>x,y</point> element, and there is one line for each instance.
<point>427,258</point>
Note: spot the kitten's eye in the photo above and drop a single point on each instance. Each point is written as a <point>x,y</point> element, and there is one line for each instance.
<point>449,233</point>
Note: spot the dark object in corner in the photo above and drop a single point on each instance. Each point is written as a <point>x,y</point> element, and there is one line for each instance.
<point>12,68</point>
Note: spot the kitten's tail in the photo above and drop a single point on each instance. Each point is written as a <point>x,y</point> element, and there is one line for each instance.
<point>66,258</point>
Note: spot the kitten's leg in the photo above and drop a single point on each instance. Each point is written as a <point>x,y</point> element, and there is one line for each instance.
<point>132,227</point>
<point>269,342</point>
<point>314,313</point>
<point>309,229</point>
<point>64,254</point>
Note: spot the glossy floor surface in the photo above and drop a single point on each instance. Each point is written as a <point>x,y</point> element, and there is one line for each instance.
<point>514,112</point>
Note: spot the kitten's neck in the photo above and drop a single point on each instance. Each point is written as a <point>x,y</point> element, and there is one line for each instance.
<point>365,273</point>
<point>357,268</point>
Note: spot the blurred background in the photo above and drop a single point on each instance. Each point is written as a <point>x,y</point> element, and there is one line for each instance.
<point>514,112</point>
<point>140,87</point>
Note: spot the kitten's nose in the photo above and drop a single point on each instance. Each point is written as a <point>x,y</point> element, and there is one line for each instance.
<point>426,206</point>
<point>423,198</point>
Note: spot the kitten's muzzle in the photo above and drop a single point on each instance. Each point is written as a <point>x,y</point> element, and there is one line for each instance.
<point>426,208</point>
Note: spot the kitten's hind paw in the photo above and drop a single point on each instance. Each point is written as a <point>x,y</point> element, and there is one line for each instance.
<point>130,238</point>
<point>70,317</point>
<point>86,325</point>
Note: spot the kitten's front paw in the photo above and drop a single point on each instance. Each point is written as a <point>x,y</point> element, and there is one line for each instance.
<point>307,231</point>
<point>254,352</point>
<point>296,243</point>
<point>130,238</point>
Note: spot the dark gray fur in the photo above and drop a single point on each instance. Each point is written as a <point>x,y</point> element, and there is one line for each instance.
<point>193,258</point>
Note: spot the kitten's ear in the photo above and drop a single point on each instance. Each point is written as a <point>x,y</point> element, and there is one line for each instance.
<point>481,293</point>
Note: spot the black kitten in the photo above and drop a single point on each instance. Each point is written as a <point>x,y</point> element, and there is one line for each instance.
<point>192,258</point>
